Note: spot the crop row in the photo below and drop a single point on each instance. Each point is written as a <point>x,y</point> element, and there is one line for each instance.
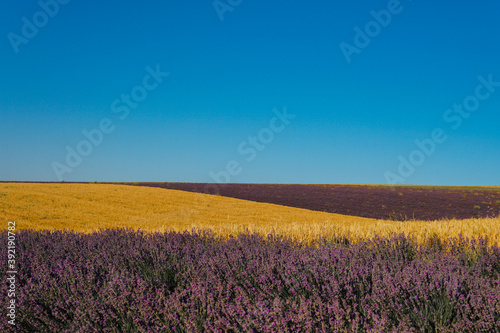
<point>123,281</point>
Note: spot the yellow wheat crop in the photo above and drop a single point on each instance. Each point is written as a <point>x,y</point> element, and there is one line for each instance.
<point>90,207</point>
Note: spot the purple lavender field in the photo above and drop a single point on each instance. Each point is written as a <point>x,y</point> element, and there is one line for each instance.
<point>124,281</point>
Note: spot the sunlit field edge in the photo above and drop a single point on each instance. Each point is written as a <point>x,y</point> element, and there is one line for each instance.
<point>92,207</point>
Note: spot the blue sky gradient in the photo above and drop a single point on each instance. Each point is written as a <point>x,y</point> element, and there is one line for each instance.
<point>355,117</point>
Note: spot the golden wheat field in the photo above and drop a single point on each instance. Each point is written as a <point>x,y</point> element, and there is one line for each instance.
<point>90,207</point>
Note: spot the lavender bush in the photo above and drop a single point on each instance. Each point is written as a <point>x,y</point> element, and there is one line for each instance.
<point>125,281</point>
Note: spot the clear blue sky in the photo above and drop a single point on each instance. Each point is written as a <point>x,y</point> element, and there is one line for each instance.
<point>354,120</point>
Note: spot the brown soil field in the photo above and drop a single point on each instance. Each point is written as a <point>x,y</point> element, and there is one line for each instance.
<point>90,207</point>
<point>401,203</point>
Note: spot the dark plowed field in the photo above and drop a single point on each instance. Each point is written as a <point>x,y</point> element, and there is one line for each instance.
<point>403,203</point>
